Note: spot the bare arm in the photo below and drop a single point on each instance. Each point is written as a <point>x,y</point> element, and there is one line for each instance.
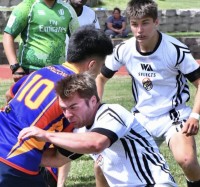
<point>101,81</point>
<point>82,143</point>
<point>191,126</point>
<point>52,158</point>
<point>123,26</point>
<point>10,51</point>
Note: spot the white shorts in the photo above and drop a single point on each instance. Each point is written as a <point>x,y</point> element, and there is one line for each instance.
<point>163,127</point>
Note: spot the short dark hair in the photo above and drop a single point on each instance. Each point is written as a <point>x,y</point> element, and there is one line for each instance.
<point>142,8</point>
<point>88,41</point>
<point>116,8</point>
<point>83,84</point>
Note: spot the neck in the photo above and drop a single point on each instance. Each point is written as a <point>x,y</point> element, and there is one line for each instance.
<point>93,115</point>
<point>78,10</point>
<point>49,3</point>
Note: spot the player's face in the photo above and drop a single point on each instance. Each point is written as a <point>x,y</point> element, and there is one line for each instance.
<point>79,112</point>
<point>78,3</point>
<point>144,29</point>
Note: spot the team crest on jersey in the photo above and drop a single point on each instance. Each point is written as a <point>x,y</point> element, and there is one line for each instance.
<point>147,84</point>
<point>62,13</point>
<point>100,160</point>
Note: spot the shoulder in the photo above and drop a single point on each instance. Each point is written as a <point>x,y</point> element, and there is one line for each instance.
<point>24,5</point>
<point>171,41</point>
<point>86,8</point>
<point>122,18</point>
<point>111,108</point>
<point>64,4</point>
<point>126,45</point>
<point>176,51</point>
<point>110,18</point>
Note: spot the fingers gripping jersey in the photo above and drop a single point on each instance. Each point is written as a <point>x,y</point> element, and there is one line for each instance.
<point>133,159</point>
<point>158,77</point>
<point>34,104</point>
<point>43,31</point>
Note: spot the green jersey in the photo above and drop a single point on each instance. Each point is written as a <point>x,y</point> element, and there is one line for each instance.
<point>43,32</point>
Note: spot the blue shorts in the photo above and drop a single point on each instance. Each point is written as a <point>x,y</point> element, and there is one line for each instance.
<point>10,177</point>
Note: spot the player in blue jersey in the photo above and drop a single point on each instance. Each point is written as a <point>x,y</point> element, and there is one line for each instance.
<point>35,104</point>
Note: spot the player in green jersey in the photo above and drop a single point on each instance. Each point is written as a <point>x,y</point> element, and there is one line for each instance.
<point>43,25</point>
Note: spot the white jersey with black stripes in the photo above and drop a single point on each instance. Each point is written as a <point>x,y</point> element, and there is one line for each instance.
<point>133,159</point>
<point>158,77</point>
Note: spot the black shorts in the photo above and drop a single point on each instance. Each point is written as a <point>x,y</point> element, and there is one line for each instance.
<point>10,177</point>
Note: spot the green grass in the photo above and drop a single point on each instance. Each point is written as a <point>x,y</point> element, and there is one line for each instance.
<point>117,90</point>
<point>162,4</point>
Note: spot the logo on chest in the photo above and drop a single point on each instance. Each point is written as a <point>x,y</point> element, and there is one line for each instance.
<point>147,71</point>
<point>147,84</point>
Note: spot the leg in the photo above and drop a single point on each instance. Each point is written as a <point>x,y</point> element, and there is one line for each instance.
<point>63,174</point>
<point>99,177</point>
<point>184,152</point>
<point>110,33</point>
<point>125,33</point>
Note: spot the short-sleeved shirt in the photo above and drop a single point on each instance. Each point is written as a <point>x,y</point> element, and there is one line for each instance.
<point>43,32</point>
<point>88,16</point>
<point>116,23</point>
<point>159,78</point>
<point>133,159</point>
<point>35,104</point>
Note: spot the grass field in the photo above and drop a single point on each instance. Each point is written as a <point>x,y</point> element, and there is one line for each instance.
<point>118,90</point>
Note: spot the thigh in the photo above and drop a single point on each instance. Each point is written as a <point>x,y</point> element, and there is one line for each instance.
<point>110,32</point>
<point>10,177</point>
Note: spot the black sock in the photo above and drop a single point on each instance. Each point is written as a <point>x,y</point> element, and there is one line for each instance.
<point>193,184</point>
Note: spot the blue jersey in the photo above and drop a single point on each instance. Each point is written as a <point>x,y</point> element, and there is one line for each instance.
<point>34,104</point>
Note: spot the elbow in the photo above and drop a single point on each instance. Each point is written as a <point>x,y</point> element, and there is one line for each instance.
<point>95,147</point>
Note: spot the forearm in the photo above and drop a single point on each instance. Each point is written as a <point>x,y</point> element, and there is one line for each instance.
<point>196,105</point>
<point>100,82</point>
<point>123,26</point>
<point>9,48</point>
<point>82,143</point>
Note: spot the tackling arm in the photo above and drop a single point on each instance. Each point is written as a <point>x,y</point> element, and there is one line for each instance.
<point>82,143</point>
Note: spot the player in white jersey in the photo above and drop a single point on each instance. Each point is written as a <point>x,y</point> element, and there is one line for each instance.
<point>121,146</point>
<point>160,66</point>
<point>85,15</point>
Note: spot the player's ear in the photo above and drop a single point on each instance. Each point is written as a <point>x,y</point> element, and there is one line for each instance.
<point>91,64</point>
<point>156,22</point>
<point>93,101</point>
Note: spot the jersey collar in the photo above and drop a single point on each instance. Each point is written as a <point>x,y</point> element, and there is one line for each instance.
<point>71,67</point>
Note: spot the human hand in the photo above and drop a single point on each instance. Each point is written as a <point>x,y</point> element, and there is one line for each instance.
<point>32,132</point>
<point>18,74</point>
<point>191,127</point>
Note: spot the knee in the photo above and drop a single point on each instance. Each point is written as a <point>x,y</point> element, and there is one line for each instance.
<point>187,162</point>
